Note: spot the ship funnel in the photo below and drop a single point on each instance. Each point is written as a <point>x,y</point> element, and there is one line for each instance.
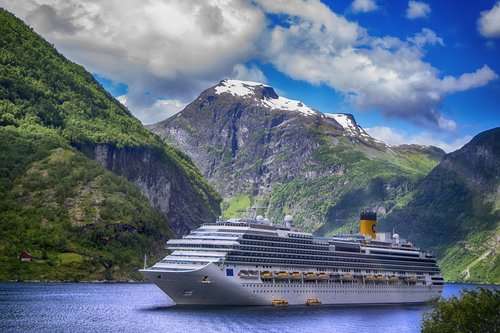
<point>368,224</point>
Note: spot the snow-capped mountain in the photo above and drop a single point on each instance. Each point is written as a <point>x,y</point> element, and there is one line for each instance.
<point>286,157</point>
<point>249,89</point>
<point>260,94</point>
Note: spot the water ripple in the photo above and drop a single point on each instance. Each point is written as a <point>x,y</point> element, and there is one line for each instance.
<point>70,307</point>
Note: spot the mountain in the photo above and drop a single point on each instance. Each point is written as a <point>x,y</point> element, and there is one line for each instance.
<point>85,188</point>
<point>455,210</point>
<point>261,150</point>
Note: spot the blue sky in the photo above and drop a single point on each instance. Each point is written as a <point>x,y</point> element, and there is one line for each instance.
<point>423,72</point>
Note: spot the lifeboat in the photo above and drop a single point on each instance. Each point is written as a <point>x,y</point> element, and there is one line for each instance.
<point>279,302</point>
<point>313,301</point>
<point>282,275</point>
<point>412,279</point>
<point>310,276</point>
<point>347,277</point>
<point>296,275</point>
<point>370,278</point>
<point>393,278</point>
<point>266,275</point>
<point>323,276</point>
<point>248,274</point>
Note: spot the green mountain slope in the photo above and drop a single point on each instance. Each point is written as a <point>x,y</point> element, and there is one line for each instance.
<point>455,211</point>
<point>60,133</point>
<point>78,220</point>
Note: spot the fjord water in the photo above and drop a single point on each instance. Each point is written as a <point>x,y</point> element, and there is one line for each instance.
<point>87,307</point>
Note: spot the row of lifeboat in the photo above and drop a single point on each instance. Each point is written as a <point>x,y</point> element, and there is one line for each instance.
<point>306,276</point>
<point>343,277</point>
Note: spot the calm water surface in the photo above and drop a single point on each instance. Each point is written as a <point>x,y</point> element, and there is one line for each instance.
<point>82,307</point>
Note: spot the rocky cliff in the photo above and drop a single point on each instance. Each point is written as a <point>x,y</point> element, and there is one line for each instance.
<point>163,180</point>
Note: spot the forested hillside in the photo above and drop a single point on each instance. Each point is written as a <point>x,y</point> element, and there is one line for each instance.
<point>86,189</point>
<point>455,211</point>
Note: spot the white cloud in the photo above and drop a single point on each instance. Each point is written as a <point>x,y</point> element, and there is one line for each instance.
<point>394,137</point>
<point>172,50</point>
<point>427,36</point>
<point>157,48</point>
<point>363,6</point>
<point>468,80</point>
<point>160,110</point>
<point>252,73</point>
<point>489,22</point>
<point>386,73</point>
<point>417,9</point>
<point>340,29</point>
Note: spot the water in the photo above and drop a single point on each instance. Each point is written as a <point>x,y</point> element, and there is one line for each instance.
<point>82,307</point>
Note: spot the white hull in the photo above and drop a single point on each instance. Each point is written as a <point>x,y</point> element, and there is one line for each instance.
<point>193,287</point>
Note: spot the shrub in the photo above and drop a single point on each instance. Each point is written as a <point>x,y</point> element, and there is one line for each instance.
<point>475,311</point>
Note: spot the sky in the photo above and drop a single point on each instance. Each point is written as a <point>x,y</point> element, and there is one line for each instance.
<point>424,72</point>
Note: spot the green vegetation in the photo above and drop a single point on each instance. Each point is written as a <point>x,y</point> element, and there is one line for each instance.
<point>330,204</point>
<point>78,220</point>
<point>38,86</point>
<point>453,212</point>
<point>475,311</point>
<point>237,206</point>
<point>475,259</point>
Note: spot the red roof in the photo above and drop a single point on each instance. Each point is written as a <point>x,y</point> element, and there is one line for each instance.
<point>25,254</point>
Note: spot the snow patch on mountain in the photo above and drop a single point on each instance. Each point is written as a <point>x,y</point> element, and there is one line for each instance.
<point>247,89</point>
<point>282,103</point>
<point>350,126</point>
<point>345,121</point>
<point>237,87</point>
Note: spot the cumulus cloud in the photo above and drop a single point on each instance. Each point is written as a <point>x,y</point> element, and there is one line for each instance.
<point>395,137</point>
<point>489,22</point>
<point>252,73</point>
<point>385,73</point>
<point>427,36</point>
<point>417,9</point>
<point>161,109</point>
<point>158,48</point>
<point>172,50</point>
<point>363,6</point>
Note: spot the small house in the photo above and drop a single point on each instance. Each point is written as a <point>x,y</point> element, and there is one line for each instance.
<point>25,256</point>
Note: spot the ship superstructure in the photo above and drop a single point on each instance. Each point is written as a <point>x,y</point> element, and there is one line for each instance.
<point>253,262</point>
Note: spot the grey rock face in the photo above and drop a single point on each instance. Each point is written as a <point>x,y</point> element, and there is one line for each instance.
<point>162,182</point>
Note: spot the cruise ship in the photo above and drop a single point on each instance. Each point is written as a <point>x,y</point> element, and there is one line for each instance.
<point>256,262</point>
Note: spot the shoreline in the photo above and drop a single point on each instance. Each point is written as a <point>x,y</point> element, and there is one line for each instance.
<point>91,282</point>
<point>149,282</point>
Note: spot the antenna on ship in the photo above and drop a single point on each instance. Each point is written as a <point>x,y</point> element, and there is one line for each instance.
<point>252,212</point>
